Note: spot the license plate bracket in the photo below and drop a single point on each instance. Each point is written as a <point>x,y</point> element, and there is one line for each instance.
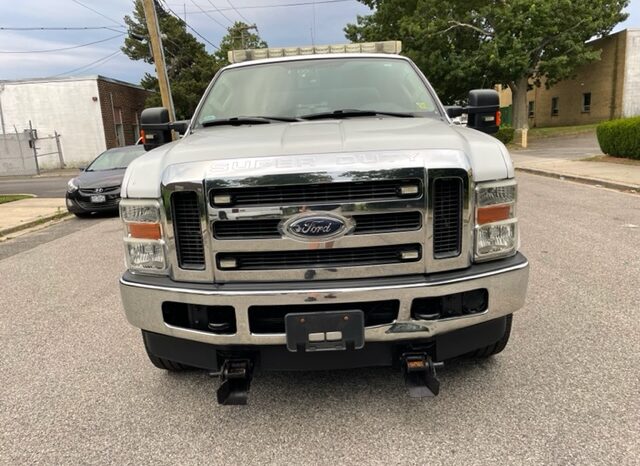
<point>98,198</point>
<point>324,331</point>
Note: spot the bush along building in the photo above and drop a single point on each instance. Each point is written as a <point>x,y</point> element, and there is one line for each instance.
<point>91,114</point>
<point>603,90</point>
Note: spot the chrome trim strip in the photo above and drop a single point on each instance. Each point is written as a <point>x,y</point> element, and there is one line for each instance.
<point>512,268</point>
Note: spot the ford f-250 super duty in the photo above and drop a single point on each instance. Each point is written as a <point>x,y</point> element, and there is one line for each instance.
<point>321,211</point>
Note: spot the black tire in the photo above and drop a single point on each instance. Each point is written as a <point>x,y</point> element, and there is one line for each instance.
<point>496,347</point>
<point>162,363</point>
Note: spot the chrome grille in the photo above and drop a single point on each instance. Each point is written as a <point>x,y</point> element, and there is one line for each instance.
<point>320,193</point>
<point>187,230</point>
<point>447,217</point>
<point>320,258</point>
<point>365,224</point>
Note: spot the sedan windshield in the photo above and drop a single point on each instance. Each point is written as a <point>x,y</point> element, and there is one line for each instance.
<point>344,87</point>
<point>116,158</point>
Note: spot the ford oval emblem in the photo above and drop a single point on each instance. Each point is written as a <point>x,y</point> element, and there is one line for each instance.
<point>316,227</point>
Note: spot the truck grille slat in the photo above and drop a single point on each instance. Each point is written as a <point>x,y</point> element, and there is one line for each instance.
<point>365,224</point>
<point>320,193</point>
<point>317,258</point>
<point>447,217</point>
<point>188,230</point>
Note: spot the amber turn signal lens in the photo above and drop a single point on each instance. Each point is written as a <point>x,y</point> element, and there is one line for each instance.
<point>493,213</point>
<point>144,230</point>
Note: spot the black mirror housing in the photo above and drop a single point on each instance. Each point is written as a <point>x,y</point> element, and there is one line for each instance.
<point>180,126</point>
<point>454,111</point>
<point>484,110</point>
<point>156,127</point>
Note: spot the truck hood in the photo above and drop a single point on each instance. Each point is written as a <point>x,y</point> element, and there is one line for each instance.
<point>487,157</point>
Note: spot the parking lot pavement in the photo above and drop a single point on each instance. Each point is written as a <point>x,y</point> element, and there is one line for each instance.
<point>77,388</point>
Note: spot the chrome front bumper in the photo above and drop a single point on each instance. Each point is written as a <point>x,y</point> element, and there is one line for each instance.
<point>506,282</point>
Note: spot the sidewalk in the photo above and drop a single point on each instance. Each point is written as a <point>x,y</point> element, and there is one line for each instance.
<point>18,215</point>
<point>564,158</point>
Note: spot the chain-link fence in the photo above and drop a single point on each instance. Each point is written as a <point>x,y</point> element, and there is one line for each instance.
<point>22,152</point>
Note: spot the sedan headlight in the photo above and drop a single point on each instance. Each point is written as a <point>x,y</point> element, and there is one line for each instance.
<point>496,230</point>
<point>72,186</point>
<point>145,249</point>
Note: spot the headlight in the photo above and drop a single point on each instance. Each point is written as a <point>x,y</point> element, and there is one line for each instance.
<point>145,249</point>
<point>72,186</point>
<point>496,230</point>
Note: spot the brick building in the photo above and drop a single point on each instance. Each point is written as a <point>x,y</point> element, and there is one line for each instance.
<point>91,113</point>
<point>603,90</point>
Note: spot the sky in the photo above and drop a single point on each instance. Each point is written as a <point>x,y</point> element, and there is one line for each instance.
<point>287,25</point>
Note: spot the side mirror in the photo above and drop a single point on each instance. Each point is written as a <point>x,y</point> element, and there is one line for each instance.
<point>82,168</point>
<point>454,111</point>
<point>180,126</point>
<point>155,126</point>
<point>484,110</point>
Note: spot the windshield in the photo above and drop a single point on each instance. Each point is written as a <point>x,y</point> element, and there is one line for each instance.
<point>307,87</point>
<point>116,158</point>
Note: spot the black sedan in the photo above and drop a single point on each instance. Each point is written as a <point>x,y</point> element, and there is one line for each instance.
<point>97,189</point>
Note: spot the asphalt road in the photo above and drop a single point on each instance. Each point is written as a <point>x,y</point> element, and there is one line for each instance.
<point>46,186</point>
<point>573,147</point>
<point>77,387</point>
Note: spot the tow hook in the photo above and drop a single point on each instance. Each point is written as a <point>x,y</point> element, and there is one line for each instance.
<point>420,374</point>
<point>235,381</point>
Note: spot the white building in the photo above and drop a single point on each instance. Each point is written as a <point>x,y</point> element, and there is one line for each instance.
<point>91,114</point>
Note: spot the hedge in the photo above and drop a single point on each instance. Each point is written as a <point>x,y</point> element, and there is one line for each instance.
<point>505,134</point>
<point>620,138</point>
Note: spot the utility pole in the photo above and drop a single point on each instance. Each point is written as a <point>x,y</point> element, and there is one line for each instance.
<point>158,55</point>
<point>244,29</point>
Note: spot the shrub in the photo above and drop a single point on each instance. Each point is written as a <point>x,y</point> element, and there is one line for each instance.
<point>620,138</point>
<point>505,134</point>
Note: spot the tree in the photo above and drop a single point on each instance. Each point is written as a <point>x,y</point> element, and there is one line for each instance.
<point>239,37</point>
<point>189,66</point>
<point>461,44</point>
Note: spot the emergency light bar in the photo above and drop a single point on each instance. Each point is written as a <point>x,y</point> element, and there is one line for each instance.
<point>391,46</point>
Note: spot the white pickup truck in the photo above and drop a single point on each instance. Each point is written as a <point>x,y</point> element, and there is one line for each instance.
<point>321,211</point>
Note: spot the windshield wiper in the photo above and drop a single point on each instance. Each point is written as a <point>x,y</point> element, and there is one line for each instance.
<point>249,120</point>
<point>349,113</point>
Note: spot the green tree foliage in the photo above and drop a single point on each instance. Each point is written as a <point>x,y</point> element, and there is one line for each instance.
<point>239,36</point>
<point>189,66</point>
<point>462,44</point>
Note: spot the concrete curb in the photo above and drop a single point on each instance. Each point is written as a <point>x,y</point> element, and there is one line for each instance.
<point>629,188</point>
<point>33,223</point>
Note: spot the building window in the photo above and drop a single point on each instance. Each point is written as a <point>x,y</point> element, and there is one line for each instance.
<point>586,102</point>
<point>554,106</point>
<point>532,108</point>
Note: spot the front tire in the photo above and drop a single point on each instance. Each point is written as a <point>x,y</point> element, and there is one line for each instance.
<point>165,364</point>
<point>496,347</point>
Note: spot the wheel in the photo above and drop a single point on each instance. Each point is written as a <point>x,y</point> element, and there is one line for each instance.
<point>496,347</point>
<point>162,363</point>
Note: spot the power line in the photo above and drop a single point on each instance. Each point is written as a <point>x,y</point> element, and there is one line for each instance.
<point>190,27</point>
<point>209,16</point>
<point>276,5</point>
<point>99,61</point>
<point>119,23</point>
<point>244,18</point>
<point>218,10</point>
<point>61,28</point>
<point>64,48</point>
